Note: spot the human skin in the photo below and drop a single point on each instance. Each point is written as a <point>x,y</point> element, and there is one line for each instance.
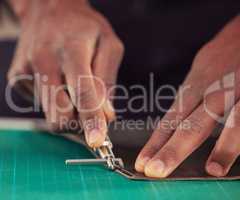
<point>167,148</point>
<point>69,39</point>
<point>218,60</point>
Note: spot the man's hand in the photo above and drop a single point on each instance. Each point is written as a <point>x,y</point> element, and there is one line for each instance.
<point>62,41</point>
<point>210,91</point>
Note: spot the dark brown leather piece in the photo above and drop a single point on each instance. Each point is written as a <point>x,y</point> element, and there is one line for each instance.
<point>191,168</point>
<point>127,145</point>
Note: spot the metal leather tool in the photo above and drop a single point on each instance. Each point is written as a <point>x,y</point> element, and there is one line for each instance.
<point>105,154</point>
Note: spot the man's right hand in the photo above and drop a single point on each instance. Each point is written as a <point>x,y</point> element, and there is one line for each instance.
<point>63,41</point>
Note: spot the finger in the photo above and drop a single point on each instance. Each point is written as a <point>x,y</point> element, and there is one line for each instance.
<point>81,86</point>
<point>56,104</point>
<point>20,64</point>
<point>227,148</point>
<point>105,66</point>
<point>186,140</point>
<point>187,99</point>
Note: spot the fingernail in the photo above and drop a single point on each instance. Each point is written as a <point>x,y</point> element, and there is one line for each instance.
<point>155,169</point>
<point>93,137</point>
<point>215,169</point>
<point>140,163</point>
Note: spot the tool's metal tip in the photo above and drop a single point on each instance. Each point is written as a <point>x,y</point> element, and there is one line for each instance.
<point>68,162</point>
<point>75,161</point>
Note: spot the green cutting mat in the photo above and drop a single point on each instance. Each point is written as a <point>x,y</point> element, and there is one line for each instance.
<point>32,167</point>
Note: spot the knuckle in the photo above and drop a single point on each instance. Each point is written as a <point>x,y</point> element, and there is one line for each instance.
<point>210,98</point>
<point>115,43</point>
<point>78,45</point>
<point>151,148</point>
<point>118,46</point>
<point>85,35</point>
<point>38,53</point>
<point>195,126</point>
<point>169,154</point>
<point>91,25</point>
<point>72,43</point>
<point>229,152</point>
<point>41,47</point>
<point>84,96</point>
<point>109,84</point>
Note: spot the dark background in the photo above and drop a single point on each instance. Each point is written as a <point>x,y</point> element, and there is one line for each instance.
<point>160,37</point>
